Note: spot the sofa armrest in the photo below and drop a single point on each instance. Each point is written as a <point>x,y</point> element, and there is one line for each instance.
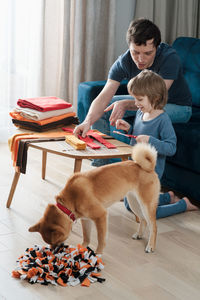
<point>89,90</point>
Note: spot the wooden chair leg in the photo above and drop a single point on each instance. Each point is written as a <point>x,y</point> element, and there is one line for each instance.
<point>77,165</point>
<point>44,162</point>
<point>12,189</point>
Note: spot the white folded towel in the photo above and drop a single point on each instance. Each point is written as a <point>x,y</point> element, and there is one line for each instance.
<point>33,114</point>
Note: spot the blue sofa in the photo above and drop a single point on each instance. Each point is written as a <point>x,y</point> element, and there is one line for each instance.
<point>182,171</point>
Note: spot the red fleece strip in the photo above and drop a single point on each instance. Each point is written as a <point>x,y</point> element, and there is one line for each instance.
<point>90,143</point>
<point>97,137</point>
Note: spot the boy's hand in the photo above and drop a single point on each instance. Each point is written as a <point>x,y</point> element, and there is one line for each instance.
<point>142,138</point>
<point>123,125</point>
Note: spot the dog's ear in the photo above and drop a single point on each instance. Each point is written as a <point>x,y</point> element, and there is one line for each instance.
<point>35,228</point>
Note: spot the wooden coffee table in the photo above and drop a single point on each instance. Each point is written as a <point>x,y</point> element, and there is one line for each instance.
<point>61,148</point>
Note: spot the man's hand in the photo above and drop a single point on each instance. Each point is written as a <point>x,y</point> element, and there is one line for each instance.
<point>82,129</point>
<point>123,125</point>
<point>142,138</point>
<point>118,108</point>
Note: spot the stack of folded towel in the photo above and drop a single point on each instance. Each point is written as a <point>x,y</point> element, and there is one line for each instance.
<point>43,113</point>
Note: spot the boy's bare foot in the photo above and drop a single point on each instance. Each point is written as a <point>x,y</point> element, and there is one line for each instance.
<point>190,206</point>
<point>173,197</point>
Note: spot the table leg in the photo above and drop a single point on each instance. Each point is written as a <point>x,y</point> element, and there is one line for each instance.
<point>77,165</point>
<point>12,189</point>
<point>44,162</point>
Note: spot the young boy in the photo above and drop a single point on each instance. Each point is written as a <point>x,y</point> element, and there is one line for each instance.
<point>153,125</point>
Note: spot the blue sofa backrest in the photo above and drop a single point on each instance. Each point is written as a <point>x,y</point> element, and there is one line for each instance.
<point>188,49</point>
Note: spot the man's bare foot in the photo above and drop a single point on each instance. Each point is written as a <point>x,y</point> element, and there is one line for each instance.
<point>190,206</point>
<point>173,197</point>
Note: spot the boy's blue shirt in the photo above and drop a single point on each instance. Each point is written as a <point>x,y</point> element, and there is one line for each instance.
<point>162,136</point>
<point>166,63</point>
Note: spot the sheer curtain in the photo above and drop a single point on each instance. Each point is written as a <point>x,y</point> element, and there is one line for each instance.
<point>90,30</point>
<point>174,17</point>
<point>48,47</point>
<point>20,55</point>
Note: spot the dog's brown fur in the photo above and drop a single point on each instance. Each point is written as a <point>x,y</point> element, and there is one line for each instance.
<point>89,194</point>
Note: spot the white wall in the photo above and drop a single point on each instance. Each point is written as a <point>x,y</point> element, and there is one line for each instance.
<point>124,15</point>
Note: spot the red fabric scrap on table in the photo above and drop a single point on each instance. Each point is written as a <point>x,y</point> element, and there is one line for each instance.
<point>97,137</point>
<point>44,103</point>
<point>90,143</point>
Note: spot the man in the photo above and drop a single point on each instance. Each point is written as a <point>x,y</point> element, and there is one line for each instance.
<point>145,52</point>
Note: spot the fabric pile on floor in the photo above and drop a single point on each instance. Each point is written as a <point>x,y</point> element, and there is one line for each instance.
<point>43,113</point>
<point>65,266</point>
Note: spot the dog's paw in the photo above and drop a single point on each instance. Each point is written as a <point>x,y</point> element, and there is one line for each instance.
<point>136,236</point>
<point>149,249</point>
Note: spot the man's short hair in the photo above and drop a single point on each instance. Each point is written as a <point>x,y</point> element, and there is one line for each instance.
<point>142,30</point>
<point>150,84</point>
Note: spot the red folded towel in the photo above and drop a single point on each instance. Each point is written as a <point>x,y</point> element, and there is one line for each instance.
<point>44,103</point>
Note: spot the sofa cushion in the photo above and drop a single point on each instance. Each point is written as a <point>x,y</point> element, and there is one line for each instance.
<point>188,49</point>
<point>188,146</point>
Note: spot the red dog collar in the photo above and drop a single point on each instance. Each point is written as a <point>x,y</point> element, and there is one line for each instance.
<point>66,211</point>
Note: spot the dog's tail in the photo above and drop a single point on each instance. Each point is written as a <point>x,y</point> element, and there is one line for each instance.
<point>145,156</point>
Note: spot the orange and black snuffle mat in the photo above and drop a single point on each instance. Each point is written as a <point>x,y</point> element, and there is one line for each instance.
<point>65,266</point>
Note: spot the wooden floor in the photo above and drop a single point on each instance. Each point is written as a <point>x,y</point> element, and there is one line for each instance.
<point>172,272</point>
